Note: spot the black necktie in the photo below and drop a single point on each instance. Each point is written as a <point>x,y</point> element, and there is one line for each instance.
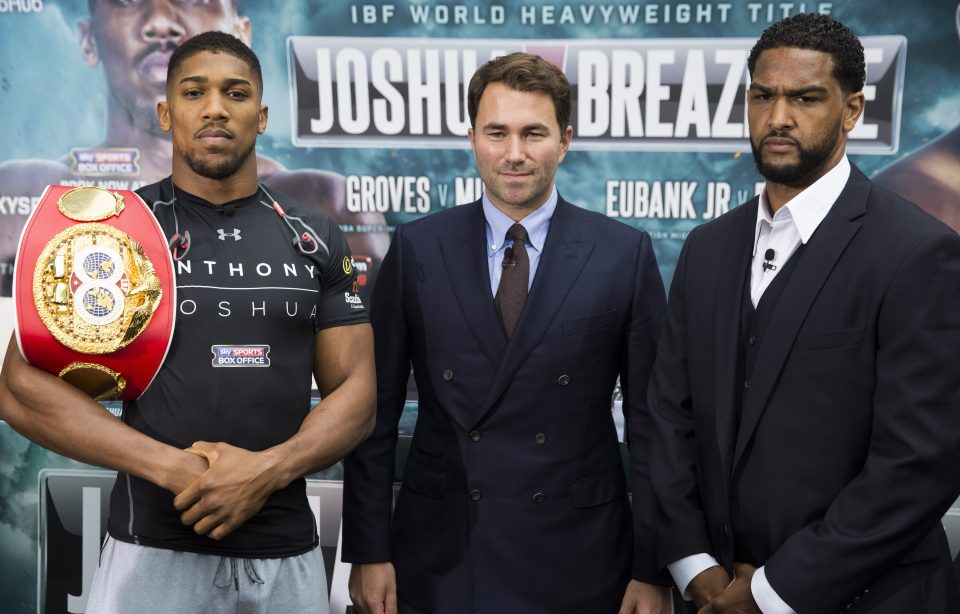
<point>512,292</point>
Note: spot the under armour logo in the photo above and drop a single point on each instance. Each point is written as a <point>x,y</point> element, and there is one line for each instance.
<point>223,235</point>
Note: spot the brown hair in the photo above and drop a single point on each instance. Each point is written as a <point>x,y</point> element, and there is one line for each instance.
<point>523,72</point>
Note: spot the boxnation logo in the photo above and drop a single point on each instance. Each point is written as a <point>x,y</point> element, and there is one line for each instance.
<point>684,94</point>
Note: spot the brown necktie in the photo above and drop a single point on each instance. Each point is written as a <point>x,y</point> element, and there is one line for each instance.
<point>512,292</point>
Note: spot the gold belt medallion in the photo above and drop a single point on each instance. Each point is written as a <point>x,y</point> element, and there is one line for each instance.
<point>94,288</point>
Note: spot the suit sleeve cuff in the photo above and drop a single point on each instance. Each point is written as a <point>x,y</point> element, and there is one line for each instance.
<point>767,599</point>
<point>689,567</point>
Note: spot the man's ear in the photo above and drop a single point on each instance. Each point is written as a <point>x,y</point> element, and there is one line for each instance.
<point>565,137</point>
<point>163,115</point>
<point>262,120</point>
<point>852,110</point>
<point>88,43</point>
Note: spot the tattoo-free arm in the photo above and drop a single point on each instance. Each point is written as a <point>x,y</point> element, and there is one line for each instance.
<point>239,481</point>
<point>56,415</point>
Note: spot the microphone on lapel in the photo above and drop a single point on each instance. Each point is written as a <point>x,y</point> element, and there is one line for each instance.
<point>508,259</point>
<point>767,257</point>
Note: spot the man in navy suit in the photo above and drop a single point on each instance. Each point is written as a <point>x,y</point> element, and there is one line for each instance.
<point>805,398</point>
<point>517,312</point>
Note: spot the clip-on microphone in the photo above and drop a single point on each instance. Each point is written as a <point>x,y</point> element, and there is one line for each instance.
<point>767,257</point>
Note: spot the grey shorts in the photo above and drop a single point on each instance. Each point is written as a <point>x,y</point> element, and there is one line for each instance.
<point>144,580</point>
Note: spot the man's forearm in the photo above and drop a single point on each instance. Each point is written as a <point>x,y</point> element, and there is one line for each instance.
<point>333,428</point>
<point>52,413</point>
<point>346,377</point>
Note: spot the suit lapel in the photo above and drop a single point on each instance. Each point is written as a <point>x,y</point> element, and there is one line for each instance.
<point>821,254</point>
<point>728,301</point>
<point>564,256</point>
<point>465,257</point>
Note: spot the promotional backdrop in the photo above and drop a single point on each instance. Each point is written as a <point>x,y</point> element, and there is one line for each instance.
<point>368,124</point>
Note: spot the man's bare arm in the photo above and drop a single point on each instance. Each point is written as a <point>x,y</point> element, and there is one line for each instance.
<point>239,482</point>
<point>54,414</point>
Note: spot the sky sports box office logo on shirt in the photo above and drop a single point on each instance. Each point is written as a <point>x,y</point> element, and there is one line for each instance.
<point>241,355</point>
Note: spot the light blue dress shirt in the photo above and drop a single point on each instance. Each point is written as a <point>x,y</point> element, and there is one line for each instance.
<point>498,223</point>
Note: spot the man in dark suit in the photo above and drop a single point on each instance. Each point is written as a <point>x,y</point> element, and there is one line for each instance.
<point>805,397</point>
<point>513,496</point>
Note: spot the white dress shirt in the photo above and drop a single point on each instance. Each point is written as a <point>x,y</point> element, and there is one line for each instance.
<point>783,232</point>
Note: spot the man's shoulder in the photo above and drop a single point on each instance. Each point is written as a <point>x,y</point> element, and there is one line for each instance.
<point>891,210</point>
<point>152,192</point>
<point>318,220</point>
<point>293,206</point>
<point>720,228</point>
<point>445,220</point>
<point>607,229</point>
<point>324,189</point>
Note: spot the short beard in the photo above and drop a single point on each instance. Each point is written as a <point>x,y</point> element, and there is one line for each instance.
<point>219,170</point>
<point>794,175</point>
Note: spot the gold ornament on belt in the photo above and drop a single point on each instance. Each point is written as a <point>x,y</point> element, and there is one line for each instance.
<point>94,287</point>
<point>98,381</point>
<point>90,204</point>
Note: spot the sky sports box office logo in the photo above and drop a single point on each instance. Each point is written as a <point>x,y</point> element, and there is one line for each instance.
<point>240,355</point>
<point>680,94</point>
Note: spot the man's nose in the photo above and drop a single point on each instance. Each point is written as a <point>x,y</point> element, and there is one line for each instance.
<point>161,24</point>
<point>214,107</point>
<point>516,149</point>
<point>781,116</point>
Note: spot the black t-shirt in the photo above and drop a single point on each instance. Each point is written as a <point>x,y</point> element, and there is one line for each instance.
<point>240,363</point>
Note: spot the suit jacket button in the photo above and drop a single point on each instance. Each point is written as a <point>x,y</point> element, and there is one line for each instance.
<point>540,438</point>
<point>447,374</point>
<point>563,380</point>
<point>474,495</point>
<point>538,498</point>
<point>475,435</point>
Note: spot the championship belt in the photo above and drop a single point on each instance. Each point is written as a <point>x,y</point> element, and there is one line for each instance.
<point>94,291</point>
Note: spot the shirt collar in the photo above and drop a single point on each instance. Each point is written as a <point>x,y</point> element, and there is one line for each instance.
<point>536,223</point>
<point>808,208</point>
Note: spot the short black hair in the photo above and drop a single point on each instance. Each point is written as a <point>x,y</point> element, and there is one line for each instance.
<point>214,42</point>
<point>819,33</point>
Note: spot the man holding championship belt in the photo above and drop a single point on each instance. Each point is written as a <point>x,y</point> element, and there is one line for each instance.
<point>94,291</point>
<point>209,512</point>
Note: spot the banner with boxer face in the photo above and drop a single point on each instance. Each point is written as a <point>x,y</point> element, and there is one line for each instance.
<point>367,125</point>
